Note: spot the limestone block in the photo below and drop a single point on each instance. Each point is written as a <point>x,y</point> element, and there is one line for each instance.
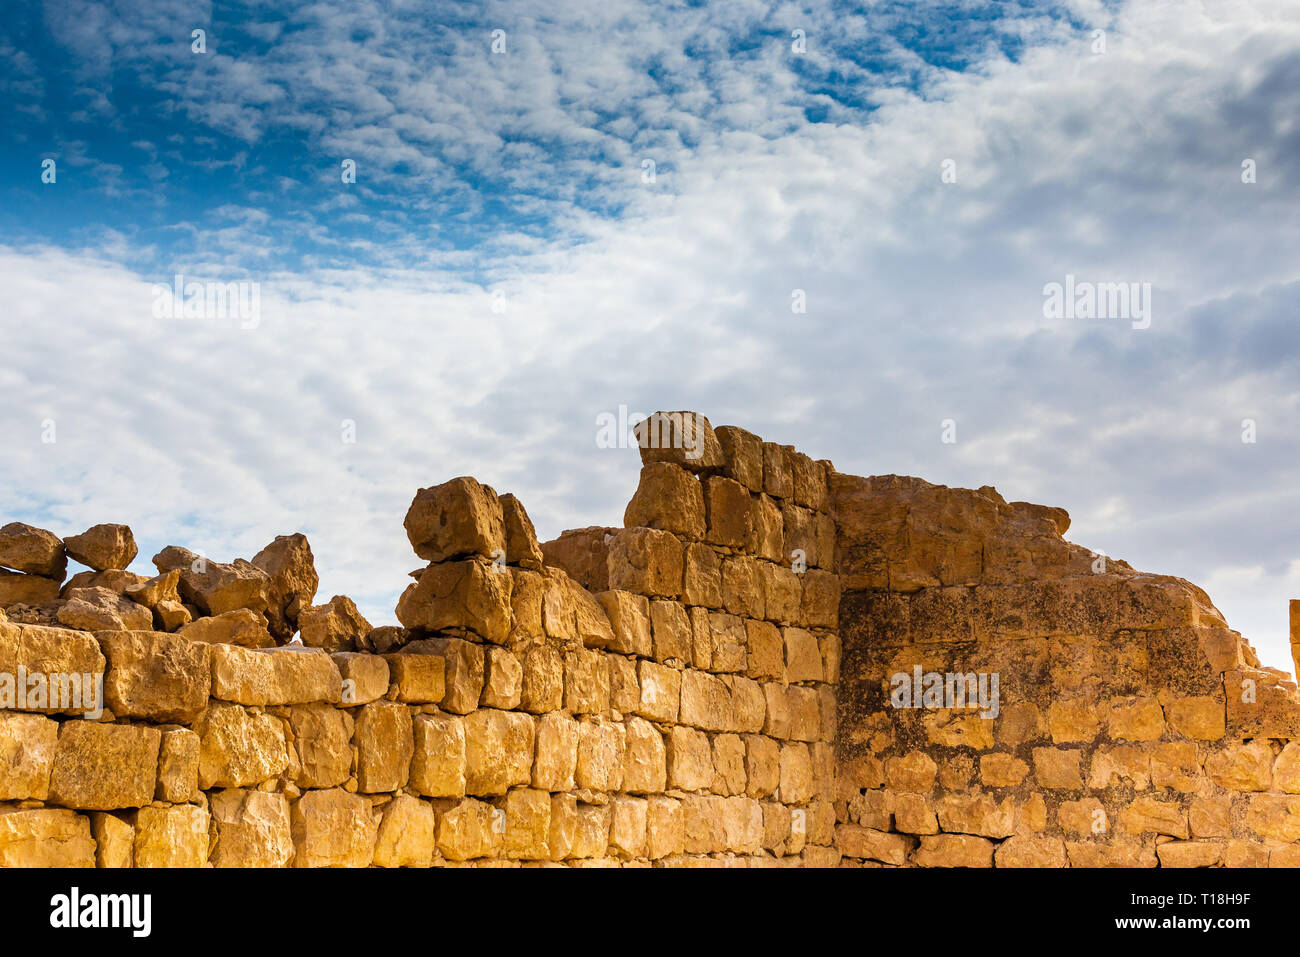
<point>171,835</point>
<point>458,518</point>
<point>274,676</point>
<point>239,747</point>
<point>667,498</point>
<point>44,837</point>
<point>438,765</point>
<point>466,596</point>
<point>27,746</point>
<point>418,679</point>
<point>385,746</point>
<point>364,677</point>
<point>333,828</point>
<point>498,751</point>
<point>155,676</point>
<point>252,829</point>
<point>406,836</point>
<point>104,766</point>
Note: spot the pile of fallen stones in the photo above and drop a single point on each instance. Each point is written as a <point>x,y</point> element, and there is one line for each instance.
<point>257,604</point>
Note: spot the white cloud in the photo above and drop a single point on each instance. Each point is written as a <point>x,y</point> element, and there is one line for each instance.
<point>924,299</point>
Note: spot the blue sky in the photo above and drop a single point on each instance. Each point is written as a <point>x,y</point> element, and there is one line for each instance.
<point>516,180</point>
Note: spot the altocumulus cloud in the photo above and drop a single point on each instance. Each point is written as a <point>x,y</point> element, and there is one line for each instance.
<point>521,175</point>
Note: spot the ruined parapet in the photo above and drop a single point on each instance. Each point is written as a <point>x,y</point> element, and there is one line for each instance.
<point>1112,716</point>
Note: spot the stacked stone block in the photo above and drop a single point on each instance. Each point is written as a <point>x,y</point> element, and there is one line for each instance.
<point>1134,729</point>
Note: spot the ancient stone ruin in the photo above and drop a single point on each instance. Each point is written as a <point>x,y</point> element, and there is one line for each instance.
<point>771,664</point>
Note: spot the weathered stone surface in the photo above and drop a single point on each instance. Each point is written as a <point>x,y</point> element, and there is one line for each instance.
<point>102,547</point>
<point>252,829</point>
<point>289,565</point>
<point>104,766</point>
<point>155,676</point>
<point>954,850</point>
<point>385,746</point>
<point>456,519</point>
<point>216,587</point>
<point>586,681</point>
<point>464,670</point>
<point>160,588</point>
<point>629,619</point>
<point>644,759</point>
<point>522,547</point>
<point>646,561</point>
<point>498,751</point>
<point>333,828</point>
<point>173,835</point>
<point>583,554</point>
<point>334,626</point>
<point>322,744</point>
<point>27,746</point>
<point>418,679</point>
<point>114,579</point>
<point>685,439</point>
<point>178,766</point>
<point>601,746</point>
<point>438,761</point>
<point>239,747</point>
<point>69,665</point>
<point>1241,767</point>
<point>364,677</point>
<point>464,596</point>
<point>25,548</point>
<point>668,498</point>
<point>19,589</point>
<point>702,576</point>
<point>114,840</point>
<point>1026,851</point>
<point>556,752</point>
<point>45,838</point>
<point>406,834</point>
<point>98,609</point>
<point>469,830</point>
<point>241,627</point>
<point>274,676</point>
<point>871,844</point>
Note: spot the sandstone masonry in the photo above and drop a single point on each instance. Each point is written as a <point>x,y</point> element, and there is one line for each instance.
<point>707,686</point>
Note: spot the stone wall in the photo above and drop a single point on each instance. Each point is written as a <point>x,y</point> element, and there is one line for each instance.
<point>669,693</point>
<point>657,694</point>
<point>1134,728</point>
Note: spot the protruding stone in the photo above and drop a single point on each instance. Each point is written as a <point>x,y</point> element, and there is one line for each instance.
<point>216,587</point>
<point>522,547</point>
<point>25,548</point>
<point>102,547</point>
<point>291,569</point>
<point>334,626</point>
<point>685,439</point>
<point>459,596</point>
<point>456,519</point>
<point>98,609</point>
<point>241,627</point>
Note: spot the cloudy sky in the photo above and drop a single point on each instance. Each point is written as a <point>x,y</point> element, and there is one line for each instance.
<point>561,210</point>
